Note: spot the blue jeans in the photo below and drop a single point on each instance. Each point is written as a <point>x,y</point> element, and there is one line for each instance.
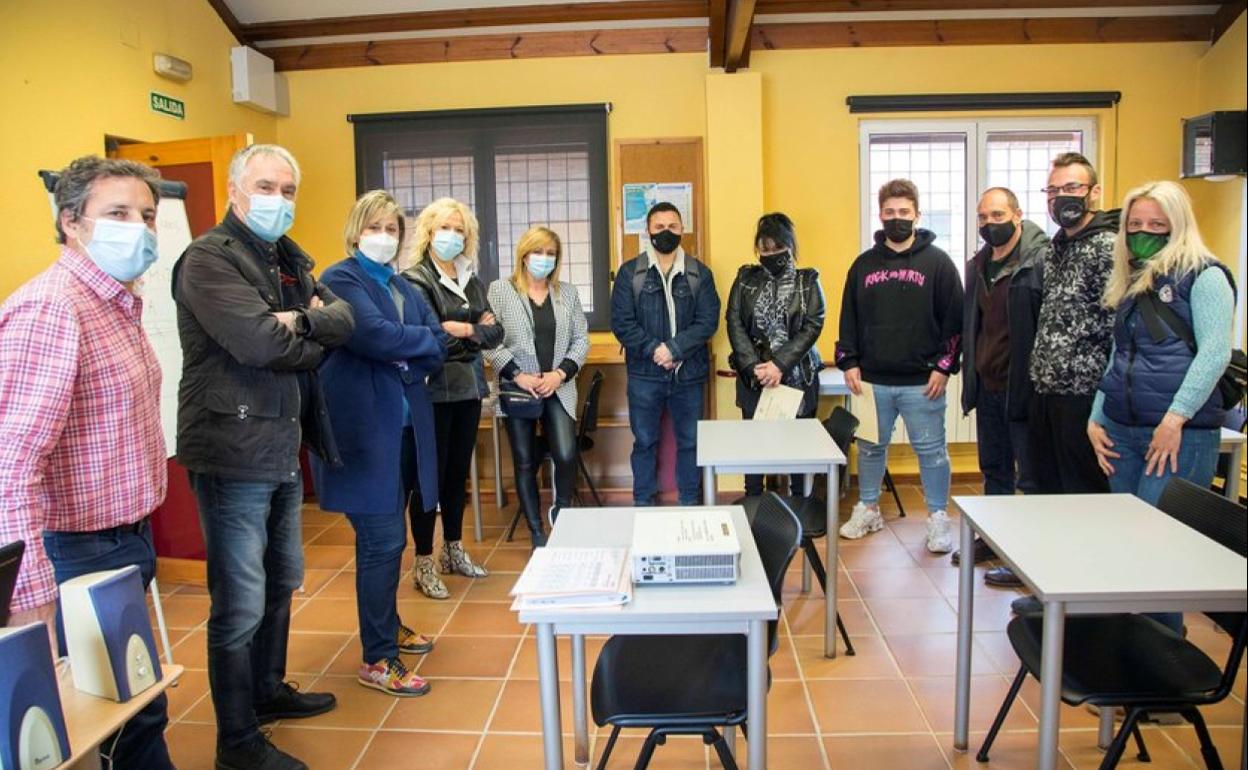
<point>683,401</point>
<point>253,536</point>
<point>1198,458</point>
<point>379,542</point>
<point>141,742</point>
<point>925,423</point>
<point>1004,449</point>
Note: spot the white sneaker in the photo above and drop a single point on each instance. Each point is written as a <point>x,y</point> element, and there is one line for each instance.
<point>863,520</point>
<point>939,535</point>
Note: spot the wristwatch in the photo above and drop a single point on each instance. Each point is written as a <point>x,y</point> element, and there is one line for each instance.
<point>302,327</point>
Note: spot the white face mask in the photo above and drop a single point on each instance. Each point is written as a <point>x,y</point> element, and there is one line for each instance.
<point>123,250</point>
<point>379,247</point>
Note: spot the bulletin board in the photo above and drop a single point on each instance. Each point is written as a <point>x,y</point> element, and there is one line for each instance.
<point>664,161</point>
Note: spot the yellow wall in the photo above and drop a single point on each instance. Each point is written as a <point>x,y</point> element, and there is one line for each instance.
<point>67,79</point>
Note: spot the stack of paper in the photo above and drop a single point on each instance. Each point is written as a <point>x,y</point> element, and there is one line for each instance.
<point>574,577</point>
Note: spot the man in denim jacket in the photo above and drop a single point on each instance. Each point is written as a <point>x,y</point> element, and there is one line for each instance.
<point>664,309</point>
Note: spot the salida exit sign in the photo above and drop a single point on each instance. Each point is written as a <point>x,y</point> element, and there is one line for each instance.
<point>167,105</point>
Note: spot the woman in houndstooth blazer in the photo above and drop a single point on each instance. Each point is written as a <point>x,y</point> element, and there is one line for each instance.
<point>545,343</point>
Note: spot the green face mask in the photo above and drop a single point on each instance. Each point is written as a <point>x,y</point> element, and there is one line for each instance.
<point>1144,246</point>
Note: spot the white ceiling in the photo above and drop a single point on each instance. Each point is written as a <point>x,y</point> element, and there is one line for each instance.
<point>256,11</point>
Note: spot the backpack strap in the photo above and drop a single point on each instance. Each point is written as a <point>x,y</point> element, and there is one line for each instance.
<point>1155,312</point>
<point>693,274</point>
<point>639,278</point>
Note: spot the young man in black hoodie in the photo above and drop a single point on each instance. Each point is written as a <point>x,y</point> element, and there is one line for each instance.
<point>901,326</point>
<point>1074,332</point>
<point>1004,282</point>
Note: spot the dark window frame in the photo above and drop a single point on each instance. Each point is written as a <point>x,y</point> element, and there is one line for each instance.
<point>483,133</point>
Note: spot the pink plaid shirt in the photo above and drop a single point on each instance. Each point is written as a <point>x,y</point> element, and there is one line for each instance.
<point>81,447</point>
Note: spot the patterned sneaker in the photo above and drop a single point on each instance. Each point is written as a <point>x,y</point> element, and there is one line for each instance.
<point>426,579</point>
<point>412,643</point>
<point>862,521</point>
<point>392,678</point>
<point>454,560</point>
<point>939,536</point>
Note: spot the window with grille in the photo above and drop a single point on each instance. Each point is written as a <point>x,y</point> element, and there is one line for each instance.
<point>515,168</point>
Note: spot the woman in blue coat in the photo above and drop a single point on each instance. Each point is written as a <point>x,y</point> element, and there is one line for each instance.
<point>382,419</point>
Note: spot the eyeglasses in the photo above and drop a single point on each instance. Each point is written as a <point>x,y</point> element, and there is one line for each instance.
<point>1070,188</point>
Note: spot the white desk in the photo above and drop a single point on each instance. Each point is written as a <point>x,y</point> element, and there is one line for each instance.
<point>832,383</point>
<point>1084,554</point>
<point>778,446</point>
<point>1233,444</point>
<point>742,608</point>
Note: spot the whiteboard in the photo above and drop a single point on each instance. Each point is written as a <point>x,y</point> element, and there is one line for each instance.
<point>160,313</point>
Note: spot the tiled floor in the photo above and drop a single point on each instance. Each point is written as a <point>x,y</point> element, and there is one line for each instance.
<point>889,707</point>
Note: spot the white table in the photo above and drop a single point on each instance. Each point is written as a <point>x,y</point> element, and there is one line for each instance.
<point>1233,444</point>
<point>778,446</point>
<point>1085,554</point>
<point>744,607</point>
<point>832,383</point>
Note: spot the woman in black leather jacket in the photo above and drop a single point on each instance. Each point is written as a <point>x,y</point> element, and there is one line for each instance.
<point>445,247</point>
<point>775,316</point>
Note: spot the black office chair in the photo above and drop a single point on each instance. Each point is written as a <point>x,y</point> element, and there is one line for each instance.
<point>584,442</point>
<point>690,685</point>
<point>1134,662</point>
<point>842,425</point>
<point>1236,419</point>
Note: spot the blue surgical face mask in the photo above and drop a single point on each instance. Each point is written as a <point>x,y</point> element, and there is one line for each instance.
<point>270,216</point>
<point>447,245</point>
<point>123,250</point>
<point>541,265</point>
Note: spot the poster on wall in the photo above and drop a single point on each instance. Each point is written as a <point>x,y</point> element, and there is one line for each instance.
<point>640,197</point>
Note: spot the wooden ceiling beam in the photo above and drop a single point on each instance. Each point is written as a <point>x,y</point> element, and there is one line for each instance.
<point>717,15</point>
<point>982,32</point>
<point>475,18</point>
<point>480,47</point>
<point>881,6</point>
<point>229,20</point>
<point>740,18</point>
<point>1225,17</point>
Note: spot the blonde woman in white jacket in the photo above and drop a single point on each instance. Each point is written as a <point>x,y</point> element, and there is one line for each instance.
<point>545,343</point>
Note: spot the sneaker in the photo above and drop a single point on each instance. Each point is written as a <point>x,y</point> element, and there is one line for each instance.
<point>392,678</point>
<point>863,520</point>
<point>256,753</point>
<point>426,579</point>
<point>412,643</point>
<point>454,559</point>
<point>289,703</point>
<point>939,536</point>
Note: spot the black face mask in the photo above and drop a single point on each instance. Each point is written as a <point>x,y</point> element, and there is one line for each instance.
<point>1068,210</point>
<point>776,263</point>
<point>898,230</point>
<point>997,234</point>
<point>664,241</point>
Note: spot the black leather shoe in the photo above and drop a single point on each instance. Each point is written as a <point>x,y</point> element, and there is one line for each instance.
<point>982,553</point>
<point>1002,576</point>
<point>1027,605</point>
<point>537,538</point>
<point>256,754</point>
<point>292,704</point>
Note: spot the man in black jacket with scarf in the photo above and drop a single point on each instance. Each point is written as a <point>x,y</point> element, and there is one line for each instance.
<point>1004,281</point>
<point>254,324</point>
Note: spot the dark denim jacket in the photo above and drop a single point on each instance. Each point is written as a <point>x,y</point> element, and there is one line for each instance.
<point>641,322</point>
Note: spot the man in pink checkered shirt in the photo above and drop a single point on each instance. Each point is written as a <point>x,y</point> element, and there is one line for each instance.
<point>82,457</point>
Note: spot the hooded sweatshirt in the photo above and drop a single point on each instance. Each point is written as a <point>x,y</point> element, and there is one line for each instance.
<point>901,314</point>
<point>1075,329</point>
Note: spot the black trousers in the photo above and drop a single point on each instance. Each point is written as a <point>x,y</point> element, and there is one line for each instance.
<point>559,430</point>
<point>1062,459</point>
<point>455,429</point>
<point>748,401</point>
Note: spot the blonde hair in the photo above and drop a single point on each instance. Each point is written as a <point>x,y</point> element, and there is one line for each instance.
<point>434,216</point>
<point>1185,251</point>
<point>371,206</point>
<point>534,238</point>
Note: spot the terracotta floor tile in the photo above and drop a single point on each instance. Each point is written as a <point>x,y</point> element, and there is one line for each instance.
<point>190,687</point>
<point>877,752</point>
<point>311,653</point>
<point>787,710</point>
<point>332,615</point>
<point>511,558</point>
<point>998,649</point>
<point>991,612</point>
<point>1011,751</point>
<point>426,750</point>
<point>336,534</point>
<point>894,556</point>
<point>467,656</point>
<point>518,710</point>
<point>792,752</point>
<point>1229,742</point>
<point>526,661</point>
<point>935,695</point>
<point>1079,746</point>
<point>679,753</point>
<point>865,705</point>
<point>192,747</point>
<point>425,615</point>
<point>320,748</point>
<point>183,610</point>
<point>327,556</point>
<point>314,580</point>
<point>937,655</point>
<point>908,582</point>
<point>806,616</point>
<point>1073,717</point>
<point>945,578</point>
<point>341,585</point>
<point>912,616</point>
<point>512,752</point>
<point>793,584</point>
<point>481,618</point>
<point>494,588</point>
<point>192,651</point>
<point>451,704</point>
<point>358,707</point>
<point>870,661</point>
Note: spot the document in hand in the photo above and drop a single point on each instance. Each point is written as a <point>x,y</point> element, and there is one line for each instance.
<point>574,577</point>
<point>864,410</point>
<point>778,403</point>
